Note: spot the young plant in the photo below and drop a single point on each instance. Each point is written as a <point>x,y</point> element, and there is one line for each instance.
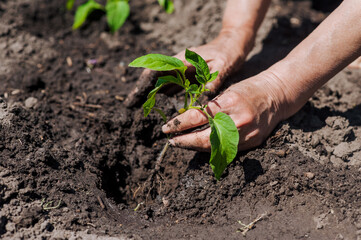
<point>117,11</point>
<point>224,136</point>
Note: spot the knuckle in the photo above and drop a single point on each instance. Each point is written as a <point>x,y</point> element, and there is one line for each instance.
<point>231,99</point>
<point>194,116</point>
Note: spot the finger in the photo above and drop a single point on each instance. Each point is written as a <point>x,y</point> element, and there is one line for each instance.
<point>196,140</point>
<point>190,119</point>
<point>194,118</point>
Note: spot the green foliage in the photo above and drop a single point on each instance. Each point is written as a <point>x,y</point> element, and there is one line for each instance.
<point>84,11</point>
<point>224,136</point>
<point>148,105</point>
<point>202,70</point>
<point>70,4</point>
<point>117,11</point>
<point>161,113</point>
<point>168,79</point>
<point>167,5</point>
<point>158,62</point>
<point>224,141</point>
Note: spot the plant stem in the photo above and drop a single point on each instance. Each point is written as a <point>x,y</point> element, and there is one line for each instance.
<point>161,156</point>
<point>205,112</point>
<point>182,76</point>
<point>186,102</point>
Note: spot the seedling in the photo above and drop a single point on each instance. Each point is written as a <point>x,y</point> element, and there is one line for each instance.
<point>224,134</point>
<point>117,11</point>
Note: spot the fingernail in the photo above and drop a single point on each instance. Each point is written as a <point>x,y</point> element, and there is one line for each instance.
<point>171,142</point>
<point>165,128</point>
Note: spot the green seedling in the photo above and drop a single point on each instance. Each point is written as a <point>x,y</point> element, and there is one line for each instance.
<point>167,5</point>
<point>224,136</point>
<point>117,11</point>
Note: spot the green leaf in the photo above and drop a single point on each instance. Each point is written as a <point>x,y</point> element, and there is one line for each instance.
<point>168,79</point>
<point>154,91</point>
<point>167,5</point>
<point>193,89</point>
<point>224,142</point>
<point>200,64</point>
<point>213,76</point>
<point>83,12</point>
<point>158,62</point>
<point>117,12</point>
<point>162,114</point>
<point>70,4</point>
<point>148,105</point>
<point>187,83</point>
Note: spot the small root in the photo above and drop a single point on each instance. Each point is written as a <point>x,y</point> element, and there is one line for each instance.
<point>149,183</point>
<point>100,202</point>
<point>246,227</point>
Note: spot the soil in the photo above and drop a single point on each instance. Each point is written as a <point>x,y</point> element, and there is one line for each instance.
<point>74,161</point>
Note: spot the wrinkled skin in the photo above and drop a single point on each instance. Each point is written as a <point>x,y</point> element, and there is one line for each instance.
<point>252,104</point>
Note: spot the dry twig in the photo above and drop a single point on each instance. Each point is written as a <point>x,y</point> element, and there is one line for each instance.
<point>246,227</point>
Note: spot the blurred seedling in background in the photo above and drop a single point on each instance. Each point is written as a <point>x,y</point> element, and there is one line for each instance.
<point>117,11</point>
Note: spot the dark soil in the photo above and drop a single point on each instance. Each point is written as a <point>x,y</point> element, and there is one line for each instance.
<point>74,161</point>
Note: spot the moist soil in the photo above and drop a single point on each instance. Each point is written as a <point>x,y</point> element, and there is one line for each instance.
<point>76,163</point>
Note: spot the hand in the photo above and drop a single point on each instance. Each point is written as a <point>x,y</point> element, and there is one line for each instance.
<point>224,54</point>
<point>255,105</point>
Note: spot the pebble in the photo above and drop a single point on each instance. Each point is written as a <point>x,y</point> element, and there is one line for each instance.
<point>30,102</point>
<point>309,175</point>
<point>295,22</point>
<point>69,61</point>
<point>165,202</point>
<point>15,92</point>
